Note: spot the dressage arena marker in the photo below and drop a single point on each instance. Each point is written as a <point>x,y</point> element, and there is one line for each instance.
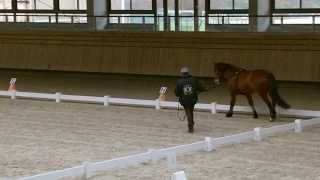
<point>89,169</point>
<point>162,93</point>
<point>12,84</point>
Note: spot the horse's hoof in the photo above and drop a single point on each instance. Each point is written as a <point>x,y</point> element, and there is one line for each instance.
<point>272,119</point>
<point>190,131</point>
<point>255,116</point>
<point>229,115</point>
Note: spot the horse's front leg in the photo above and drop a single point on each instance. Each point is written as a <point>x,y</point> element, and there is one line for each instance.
<point>232,103</point>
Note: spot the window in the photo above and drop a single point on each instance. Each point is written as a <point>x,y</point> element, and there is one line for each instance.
<point>295,4</point>
<point>227,19</point>
<point>6,17</point>
<point>287,4</point>
<point>5,4</point>
<point>72,4</point>
<point>228,12</point>
<point>131,4</point>
<point>229,4</point>
<point>296,11</point>
<point>311,4</point>
<point>43,11</point>
<point>35,4</point>
<point>72,18</point>
<point>218,4</point>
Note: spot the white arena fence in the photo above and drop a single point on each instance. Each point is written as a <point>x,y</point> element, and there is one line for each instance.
<point>107,100</point>
<point>89,169</point>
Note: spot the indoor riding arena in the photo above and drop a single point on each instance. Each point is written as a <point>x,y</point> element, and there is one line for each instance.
<point>88,89</point>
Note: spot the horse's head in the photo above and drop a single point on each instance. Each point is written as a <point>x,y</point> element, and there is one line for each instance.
<point>223,72</point>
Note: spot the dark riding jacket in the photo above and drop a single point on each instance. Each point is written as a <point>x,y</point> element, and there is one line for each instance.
<point>188,89</point>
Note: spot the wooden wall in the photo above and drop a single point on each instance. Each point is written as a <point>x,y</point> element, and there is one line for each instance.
<point>291,56</point>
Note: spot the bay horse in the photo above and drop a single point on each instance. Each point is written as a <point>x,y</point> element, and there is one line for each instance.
<point>247,82</point>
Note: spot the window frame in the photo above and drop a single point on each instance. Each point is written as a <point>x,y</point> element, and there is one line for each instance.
<point>56,9</point>
<point>292,10</point>
<point>153,10</point>
<point>78,6</point>
<point>225,11</point>
<point>35,5</point>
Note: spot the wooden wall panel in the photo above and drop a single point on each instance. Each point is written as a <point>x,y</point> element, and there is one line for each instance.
<point>91,59</point>
<point>291,56</point>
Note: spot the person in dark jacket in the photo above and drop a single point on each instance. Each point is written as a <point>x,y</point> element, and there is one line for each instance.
<point>188,89</point>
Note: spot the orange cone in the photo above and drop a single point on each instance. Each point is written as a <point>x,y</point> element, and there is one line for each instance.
<point>162,92</point>
<point>12,85</point>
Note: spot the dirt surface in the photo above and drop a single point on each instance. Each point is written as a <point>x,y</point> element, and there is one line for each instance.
<point>285,157</point>
<point>40,136</point>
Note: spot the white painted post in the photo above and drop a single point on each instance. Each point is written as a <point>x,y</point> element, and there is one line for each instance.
<point>58,97</point>
<point>106,101</point>
<point>157,101</point>
<point>181,175</point>
<point>257,134</point>
<point>13,94</point>
<point>213,108</point>
<point>209,145</point>
<point>86,174</point>
<point>298,126</point>
<point>154,155</point>
<point>172,160</point>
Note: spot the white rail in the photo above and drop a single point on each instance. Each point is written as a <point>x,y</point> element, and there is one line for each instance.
<point>107,100</point>
<point>70,172</point>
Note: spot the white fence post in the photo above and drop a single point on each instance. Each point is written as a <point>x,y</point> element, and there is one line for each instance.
<point>213,108</point>
<point>58,97</point>
<point>154,155</point>
<point>86,173</point>
<point>13,94</point>
<point>106,101</point>
<point>298,126</point>
<point>172,160</point>
<point>209,144</point>
<point>179,176</point>
<point>157,105</point>
<point>257,134</point>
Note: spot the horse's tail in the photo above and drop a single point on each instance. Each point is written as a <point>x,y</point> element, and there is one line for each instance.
<point>274,93</point>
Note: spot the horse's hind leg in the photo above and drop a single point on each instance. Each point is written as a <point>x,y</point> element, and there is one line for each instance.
<point>232,103</point>
<point>265,98</point>
<point>255,114</point>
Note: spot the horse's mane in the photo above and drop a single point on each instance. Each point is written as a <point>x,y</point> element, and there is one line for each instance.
<point>224,66</point>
